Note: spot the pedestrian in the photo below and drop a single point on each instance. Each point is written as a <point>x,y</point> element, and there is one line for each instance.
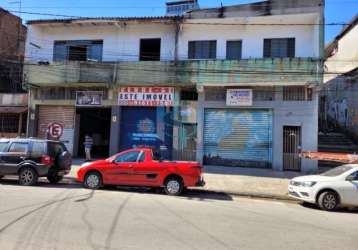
<point>88,146</point>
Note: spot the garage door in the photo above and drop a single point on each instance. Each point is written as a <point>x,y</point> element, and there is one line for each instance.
<point>63,115</point>
<point>238,137</point>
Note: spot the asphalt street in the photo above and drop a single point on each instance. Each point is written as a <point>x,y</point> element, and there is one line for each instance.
<point>66,216</point>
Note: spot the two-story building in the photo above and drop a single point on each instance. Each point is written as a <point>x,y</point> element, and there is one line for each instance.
<point>13,98</point>
<point>339,103</point>
<point>233,85</point>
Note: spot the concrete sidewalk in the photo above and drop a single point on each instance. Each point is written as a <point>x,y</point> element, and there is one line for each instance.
<point>252,182</point>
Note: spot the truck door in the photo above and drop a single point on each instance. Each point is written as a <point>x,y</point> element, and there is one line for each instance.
<point>120,171</point>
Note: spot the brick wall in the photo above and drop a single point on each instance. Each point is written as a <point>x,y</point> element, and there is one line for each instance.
<point>12,50</point>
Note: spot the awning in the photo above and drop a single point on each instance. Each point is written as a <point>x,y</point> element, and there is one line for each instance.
<point>13,110</point>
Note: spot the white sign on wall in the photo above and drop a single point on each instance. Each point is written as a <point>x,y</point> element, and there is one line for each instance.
<point>239,97</point>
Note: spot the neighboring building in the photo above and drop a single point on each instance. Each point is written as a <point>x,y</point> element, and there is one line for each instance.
<point>216,85</point>
<point>339,97</point>
<point>13,99</point>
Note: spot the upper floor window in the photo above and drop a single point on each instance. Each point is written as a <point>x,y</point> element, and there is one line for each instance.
<point>233,50</point>
<point>297,93</point>
<point>78,50</point>
<point>150,49</point>
<point>202,50</point>
<point>279,48</point>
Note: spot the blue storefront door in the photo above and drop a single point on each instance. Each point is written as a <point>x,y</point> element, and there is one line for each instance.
<point>146,127</point>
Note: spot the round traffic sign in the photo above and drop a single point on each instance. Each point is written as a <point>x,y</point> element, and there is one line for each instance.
<point>55,130</point>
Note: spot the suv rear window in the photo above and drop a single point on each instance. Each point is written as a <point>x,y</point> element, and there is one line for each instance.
<point>55,148</point>
<point>3,146</point>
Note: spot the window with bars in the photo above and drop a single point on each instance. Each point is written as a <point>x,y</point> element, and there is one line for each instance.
<point>64,93</point>
<point>233,50</point>
<point>279,48</point>
<point>9,123</point>
<point>202,50</point>
<point>297,93</point>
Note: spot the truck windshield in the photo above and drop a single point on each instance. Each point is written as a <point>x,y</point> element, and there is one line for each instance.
<point>337,171</point>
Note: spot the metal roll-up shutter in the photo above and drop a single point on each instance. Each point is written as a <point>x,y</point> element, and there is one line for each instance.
<point>64,115</point>
<point>238,137</point>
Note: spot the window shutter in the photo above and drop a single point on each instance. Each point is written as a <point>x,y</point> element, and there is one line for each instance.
<point>233,50</point>
<point>267,47</point>
<point>291,47</point>
<point>60,52</point>
<point>191,51</point>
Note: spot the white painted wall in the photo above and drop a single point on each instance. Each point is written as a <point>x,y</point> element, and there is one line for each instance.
<point>252,36</point>
<point>121,43</point>
<point>345,58</point>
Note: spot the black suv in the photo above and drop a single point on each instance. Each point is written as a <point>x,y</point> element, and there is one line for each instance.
<point>34,158</point>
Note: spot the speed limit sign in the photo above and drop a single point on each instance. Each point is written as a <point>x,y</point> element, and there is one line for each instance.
<point>55,130</point>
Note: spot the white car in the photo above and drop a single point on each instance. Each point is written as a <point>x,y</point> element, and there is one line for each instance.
<point>336,187</point>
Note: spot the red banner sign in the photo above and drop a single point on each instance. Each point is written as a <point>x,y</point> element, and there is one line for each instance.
<point>146,96</point>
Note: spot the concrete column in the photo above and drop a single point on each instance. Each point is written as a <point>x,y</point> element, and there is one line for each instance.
<point>32,122</point>
<point>277,131</point>
<point>115,130</point>
<point>200,128</point>
<point>176,110</point>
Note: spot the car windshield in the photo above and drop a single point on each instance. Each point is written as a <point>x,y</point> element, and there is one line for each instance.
<point>337,171</point>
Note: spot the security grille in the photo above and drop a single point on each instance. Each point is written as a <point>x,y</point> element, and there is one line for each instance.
<point>291,148</point>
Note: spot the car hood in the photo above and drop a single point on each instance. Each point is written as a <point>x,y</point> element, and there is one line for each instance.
<point>313,178</point>
<point>94,163</point>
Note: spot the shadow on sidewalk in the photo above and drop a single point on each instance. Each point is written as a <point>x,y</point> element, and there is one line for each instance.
<point>254,172</point>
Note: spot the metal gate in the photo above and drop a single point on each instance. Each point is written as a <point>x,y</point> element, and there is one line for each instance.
<point>238,137</point>
<point>291,148</point>
<point>64,115</point>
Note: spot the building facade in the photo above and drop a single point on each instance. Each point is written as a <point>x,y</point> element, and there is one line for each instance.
<point>339,96</point>
<point>13,98</point>
<point>229,86</point>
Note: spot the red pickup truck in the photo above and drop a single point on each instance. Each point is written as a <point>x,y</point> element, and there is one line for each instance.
<point>138,167</point>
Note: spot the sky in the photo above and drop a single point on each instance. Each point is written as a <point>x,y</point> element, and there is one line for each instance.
<point>336,11</point>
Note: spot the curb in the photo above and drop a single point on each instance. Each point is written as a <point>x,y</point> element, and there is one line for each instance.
<point>251,195</point>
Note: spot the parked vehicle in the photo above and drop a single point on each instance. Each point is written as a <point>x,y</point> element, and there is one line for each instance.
<point>33,158</point>
<point>336,187</point>
<point>139,167</point>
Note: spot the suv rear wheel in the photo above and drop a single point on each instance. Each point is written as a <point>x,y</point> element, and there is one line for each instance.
<point>28,176</point>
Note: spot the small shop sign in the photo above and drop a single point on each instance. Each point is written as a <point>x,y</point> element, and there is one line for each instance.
<point>239,97</point>
<point>89,98</point>
<point>146,96</point>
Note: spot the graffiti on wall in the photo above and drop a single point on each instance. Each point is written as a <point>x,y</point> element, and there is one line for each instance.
<point>338,110</point>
